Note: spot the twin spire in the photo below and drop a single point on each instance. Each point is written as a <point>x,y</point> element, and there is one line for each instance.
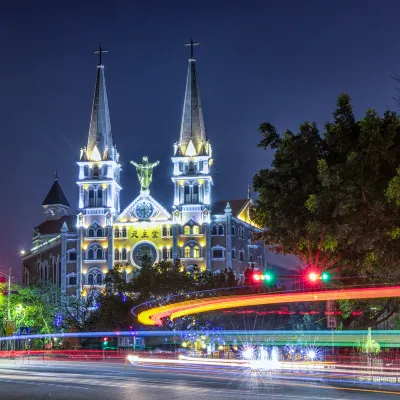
<point>193,140</point>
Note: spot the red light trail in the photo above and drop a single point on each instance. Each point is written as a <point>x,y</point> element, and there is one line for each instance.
<point>154,316</point>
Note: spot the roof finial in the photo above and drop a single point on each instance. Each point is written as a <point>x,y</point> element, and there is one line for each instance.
<point>248,192</point>
<point>100,51</point>
<point>192,44</point>
<point>55,175</point>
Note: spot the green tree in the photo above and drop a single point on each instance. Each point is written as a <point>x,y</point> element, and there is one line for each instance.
<point>34,306</point>
<point>332,198</point>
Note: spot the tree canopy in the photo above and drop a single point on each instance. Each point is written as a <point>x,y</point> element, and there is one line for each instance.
<point>332,198</point>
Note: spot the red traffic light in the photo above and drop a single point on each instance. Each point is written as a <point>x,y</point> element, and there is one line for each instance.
<point>257,277</point>
<point>313,276</point>
<point>105,339</point>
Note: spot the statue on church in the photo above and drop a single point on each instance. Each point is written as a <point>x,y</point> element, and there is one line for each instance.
<point>145,173</point>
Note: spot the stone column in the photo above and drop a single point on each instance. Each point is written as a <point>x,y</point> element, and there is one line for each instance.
<point>175,236</point>
<point>208,247</point>
<point>228,236</point>
<point>64,231</point>
<point>79,261</point>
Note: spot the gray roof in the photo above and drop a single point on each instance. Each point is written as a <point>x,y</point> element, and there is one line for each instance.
<point>100,125</point>
<point>236,205</point>
<point>192,126</point>
<point>55,196</point>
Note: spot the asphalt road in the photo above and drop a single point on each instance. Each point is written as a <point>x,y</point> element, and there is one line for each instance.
<point>74,380</point>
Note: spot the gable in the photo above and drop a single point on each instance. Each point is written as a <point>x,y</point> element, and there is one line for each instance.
<point>159,213</point>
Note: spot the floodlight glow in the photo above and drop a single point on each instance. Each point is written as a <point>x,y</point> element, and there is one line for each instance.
<point>248,353</point>
<point>311,354</point>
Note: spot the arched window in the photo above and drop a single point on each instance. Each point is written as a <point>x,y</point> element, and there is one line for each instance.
<point>105,170</point>
<point>187,194</point>
<point>91,198</point>
<point>165,253</point>
<point>86,170</point>
<point>220,230</point>
<point>99,232</point>
<point>124,234</point>
<point>233,230</point>
<point>186,230</point>
<point>116,232</point>
<point>180,166</point>
<point>116,254</point>
<point>196,251</point>
<point>99,254</point>
<point>91,254</point>
<point>233,253</point>
<point>196,230</point>
<point>99,197</point>
<point>187,252</point>
<point>123,254</point>
<point>96,170</point>
<point>164,231</point>
<point>99,279</point>
<point>192,167</point>
<point>195,194</point>
<point>91,232</point>
<point>241,255</point>
<point>90,279</point>
<point>214,230</point>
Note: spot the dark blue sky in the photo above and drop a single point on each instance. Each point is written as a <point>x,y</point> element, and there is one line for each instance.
<point>277,61</point>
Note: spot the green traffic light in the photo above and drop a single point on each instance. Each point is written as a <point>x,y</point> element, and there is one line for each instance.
<point>269,277</point>
<point>325,276</point>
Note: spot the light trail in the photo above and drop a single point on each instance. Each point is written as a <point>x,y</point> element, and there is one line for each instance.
<point>154,316</point>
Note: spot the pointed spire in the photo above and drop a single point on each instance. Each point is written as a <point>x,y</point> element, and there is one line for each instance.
<point>100,136</point>
<point>56,195</point>
<point>192,127</point>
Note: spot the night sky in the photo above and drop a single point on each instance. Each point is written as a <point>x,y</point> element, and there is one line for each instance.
<point>277,61</point>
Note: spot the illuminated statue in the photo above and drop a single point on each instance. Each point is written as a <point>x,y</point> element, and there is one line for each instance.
<point>145,173</point>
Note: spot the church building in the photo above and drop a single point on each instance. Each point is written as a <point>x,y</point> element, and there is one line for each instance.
<point>75,251</point>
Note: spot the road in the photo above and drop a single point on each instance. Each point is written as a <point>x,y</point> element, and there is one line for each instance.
<point>102,381</point>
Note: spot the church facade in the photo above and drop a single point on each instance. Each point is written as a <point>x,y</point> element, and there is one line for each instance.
<point>76,251</point>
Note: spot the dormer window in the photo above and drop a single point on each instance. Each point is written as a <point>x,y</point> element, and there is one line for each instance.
<point>196,230</point>
<point>186,230</point>
<point>96,171</point>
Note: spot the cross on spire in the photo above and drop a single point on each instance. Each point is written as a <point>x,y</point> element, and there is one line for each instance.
<point>100,51</point>
<point>192,44</point>
<point>55,175</point>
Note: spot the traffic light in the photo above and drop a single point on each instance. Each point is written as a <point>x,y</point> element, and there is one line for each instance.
<point>313,277</point>
<point>325,276</point>
<point>105,341</point>
<point>268,277</point>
